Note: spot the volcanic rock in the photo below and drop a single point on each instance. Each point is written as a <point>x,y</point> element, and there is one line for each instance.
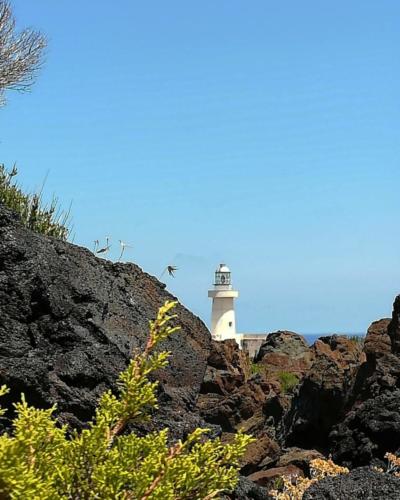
<point>324,392</point>
<point>69,322</point>
<point>285,351</point>
<point>247,490</point>
<point>364,483</point>
<point>266,478</point>
<point>228,367</point>
<point>371,426</point>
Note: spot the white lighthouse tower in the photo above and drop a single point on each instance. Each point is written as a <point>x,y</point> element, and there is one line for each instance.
<point>223,324</point>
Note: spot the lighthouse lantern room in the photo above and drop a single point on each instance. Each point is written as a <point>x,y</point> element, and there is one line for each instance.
<point>223,324</point>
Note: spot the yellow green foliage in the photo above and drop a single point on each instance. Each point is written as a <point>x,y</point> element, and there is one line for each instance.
<point>40,461</point>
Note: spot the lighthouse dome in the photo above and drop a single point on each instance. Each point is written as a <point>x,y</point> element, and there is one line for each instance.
<point>223,268</point>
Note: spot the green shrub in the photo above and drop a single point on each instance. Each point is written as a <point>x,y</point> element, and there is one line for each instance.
<point>257,368</point>
<point>288,381</point>
<point>49,220</point>
<point>40,462</point>
<point>358,339</point>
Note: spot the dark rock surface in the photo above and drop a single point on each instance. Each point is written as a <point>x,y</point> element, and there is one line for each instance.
<point>69,322</point>
<point>371,426</point>
<point>364,483</point>
<point>321,399</point>
<point>248,490</point>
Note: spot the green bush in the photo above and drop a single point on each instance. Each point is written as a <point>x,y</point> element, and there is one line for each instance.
<point>40,462</point>
<point>49,220</point>
<point>288,381</point>
<point>358,339</point>
<point>257,368</point>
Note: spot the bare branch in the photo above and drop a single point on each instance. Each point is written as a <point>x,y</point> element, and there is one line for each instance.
<point>20,53</point>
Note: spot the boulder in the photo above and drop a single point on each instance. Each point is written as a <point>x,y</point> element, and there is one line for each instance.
<point>378,342</point>
<point>247,490</point>
<point>285,351</point>
<point>232,410</point>
<point>362,483</point>
<point>70,321</point>
<point>267,478</point>
<point>394,327</point>
<point>227,368</point>
<point>322,396</point>
<point>294,456</point>
<point>371,426</point>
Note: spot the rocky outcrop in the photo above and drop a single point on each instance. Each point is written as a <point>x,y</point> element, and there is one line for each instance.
<point>227,368</point>
<point>248,490</point>
<point>371,426</point>
<point>322,396</point>
<point>285,351</point>
<point>363,483</point>
<point>394,327</point>
<point>232,410</point>
<point>294,456</point>
<point>69,322</point>
<point>377,342</point>
<point>268,477</point>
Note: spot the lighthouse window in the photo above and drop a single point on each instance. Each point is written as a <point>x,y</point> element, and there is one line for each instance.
<point>230,323</point>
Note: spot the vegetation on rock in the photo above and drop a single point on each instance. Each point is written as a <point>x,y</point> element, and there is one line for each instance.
<point>48,220</point>
<point>288,381</point>
<point>294,487</point>
<point>40,461</point>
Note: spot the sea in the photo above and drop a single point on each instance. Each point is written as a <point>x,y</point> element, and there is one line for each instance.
<point>312,337</point>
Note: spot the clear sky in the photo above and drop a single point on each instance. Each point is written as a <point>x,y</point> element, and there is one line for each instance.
<point>263,134</point>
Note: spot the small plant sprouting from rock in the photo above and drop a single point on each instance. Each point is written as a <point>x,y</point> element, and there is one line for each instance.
<point>44,219</point>
<point>256,368</point>
<point>288,381</point>
<point>393,464</point>
<point>358,339</point>
<point>293,487</point>
<point>39,460</point>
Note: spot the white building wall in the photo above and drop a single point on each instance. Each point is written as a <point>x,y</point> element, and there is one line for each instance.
<point>223,321</point>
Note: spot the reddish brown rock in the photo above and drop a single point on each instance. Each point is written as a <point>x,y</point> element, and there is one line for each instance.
<point>264,448</point>
<point>378,342</point>
<point>267,477</point>
<point>227,368</point>
<point>232,410</point>
<point>298,457</point>
<point>285,351</point>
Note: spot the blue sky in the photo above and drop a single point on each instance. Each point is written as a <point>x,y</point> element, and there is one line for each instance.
<point>261,134</point>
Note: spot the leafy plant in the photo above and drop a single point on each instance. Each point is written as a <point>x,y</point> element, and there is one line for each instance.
<point>288,381</point>
<point>49,220</point>
<point>40,461</point>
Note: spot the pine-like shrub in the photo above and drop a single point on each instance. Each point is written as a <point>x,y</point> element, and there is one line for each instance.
<point>40,461</point>
<point>49,220</point>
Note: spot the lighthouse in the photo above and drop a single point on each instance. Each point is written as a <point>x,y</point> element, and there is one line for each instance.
<point>223,324</point>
